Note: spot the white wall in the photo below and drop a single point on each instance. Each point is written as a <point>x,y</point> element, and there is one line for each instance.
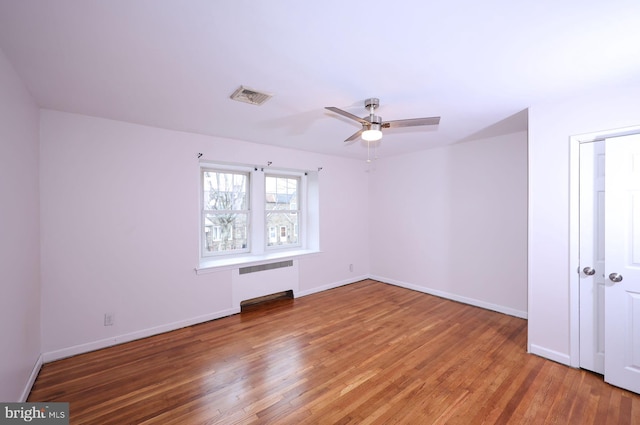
<point>452,221</point>
<point>550,126</point>
<point>120,228</point>
<point>19,236</point>
<point>119,224</point>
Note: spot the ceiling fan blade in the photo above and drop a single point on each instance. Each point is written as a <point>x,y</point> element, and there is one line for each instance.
<point>411,122</point>
<point>347,114</point>
<point>354,136</point>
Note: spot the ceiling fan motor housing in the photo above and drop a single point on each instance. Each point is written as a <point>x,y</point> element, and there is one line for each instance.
<point>374,120</point>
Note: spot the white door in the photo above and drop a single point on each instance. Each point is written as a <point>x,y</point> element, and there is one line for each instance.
<point>592,282</point>
<point>622,268</point>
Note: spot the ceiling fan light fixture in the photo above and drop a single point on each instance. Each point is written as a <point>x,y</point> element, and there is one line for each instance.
<point>373,134</point>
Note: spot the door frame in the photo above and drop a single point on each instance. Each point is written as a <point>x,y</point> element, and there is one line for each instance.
<point>574,231</point>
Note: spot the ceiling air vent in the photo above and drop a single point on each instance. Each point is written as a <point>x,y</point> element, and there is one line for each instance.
<point>244,94</point>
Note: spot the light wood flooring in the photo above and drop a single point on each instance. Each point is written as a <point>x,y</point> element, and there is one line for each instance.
<point>365,353</point>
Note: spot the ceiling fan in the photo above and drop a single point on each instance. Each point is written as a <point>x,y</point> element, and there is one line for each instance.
<point>372,125</point>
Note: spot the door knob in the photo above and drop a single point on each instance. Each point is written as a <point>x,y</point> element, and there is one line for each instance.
<point>615,277</point>
<point>589,271</point>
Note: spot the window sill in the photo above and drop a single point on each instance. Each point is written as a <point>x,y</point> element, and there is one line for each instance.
<point>221,264</point>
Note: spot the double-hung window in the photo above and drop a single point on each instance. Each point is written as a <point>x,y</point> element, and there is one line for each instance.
<point>225,212</point>
<point>251,214</point>
<point>282,210</point>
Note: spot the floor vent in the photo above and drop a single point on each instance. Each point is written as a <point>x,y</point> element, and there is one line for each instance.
<point>269,266</point>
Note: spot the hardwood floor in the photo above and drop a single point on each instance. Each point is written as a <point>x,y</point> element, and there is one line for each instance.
<point>366,353</point>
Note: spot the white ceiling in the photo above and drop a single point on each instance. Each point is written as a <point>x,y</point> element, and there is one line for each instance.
<point>174,63</point>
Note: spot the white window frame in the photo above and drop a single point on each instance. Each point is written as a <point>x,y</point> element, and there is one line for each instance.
<point>224,169</point>
<point>257,232</point>
<point>301,202</point>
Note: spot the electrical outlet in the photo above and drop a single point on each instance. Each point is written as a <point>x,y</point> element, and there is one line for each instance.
<point>108,319</point>
<point>350,267</point>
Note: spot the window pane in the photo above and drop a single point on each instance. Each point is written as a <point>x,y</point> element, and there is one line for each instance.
<point>225,232</point>
<point>281,193</point>
<point>225,190</point>
<point>282,228</point>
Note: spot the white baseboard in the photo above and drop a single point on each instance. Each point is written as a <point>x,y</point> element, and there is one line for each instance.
<point>32,379</point>
<point>454,297</point>
<point>119,339</point>
<point>330,286</point>
<point>556,356</point>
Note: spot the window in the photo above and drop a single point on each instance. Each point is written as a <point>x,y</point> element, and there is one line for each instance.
<point>282,194</point>
<point>273,237</point>
<point>250,214</point>
<point>225,211</point>
<point>214,232</point>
